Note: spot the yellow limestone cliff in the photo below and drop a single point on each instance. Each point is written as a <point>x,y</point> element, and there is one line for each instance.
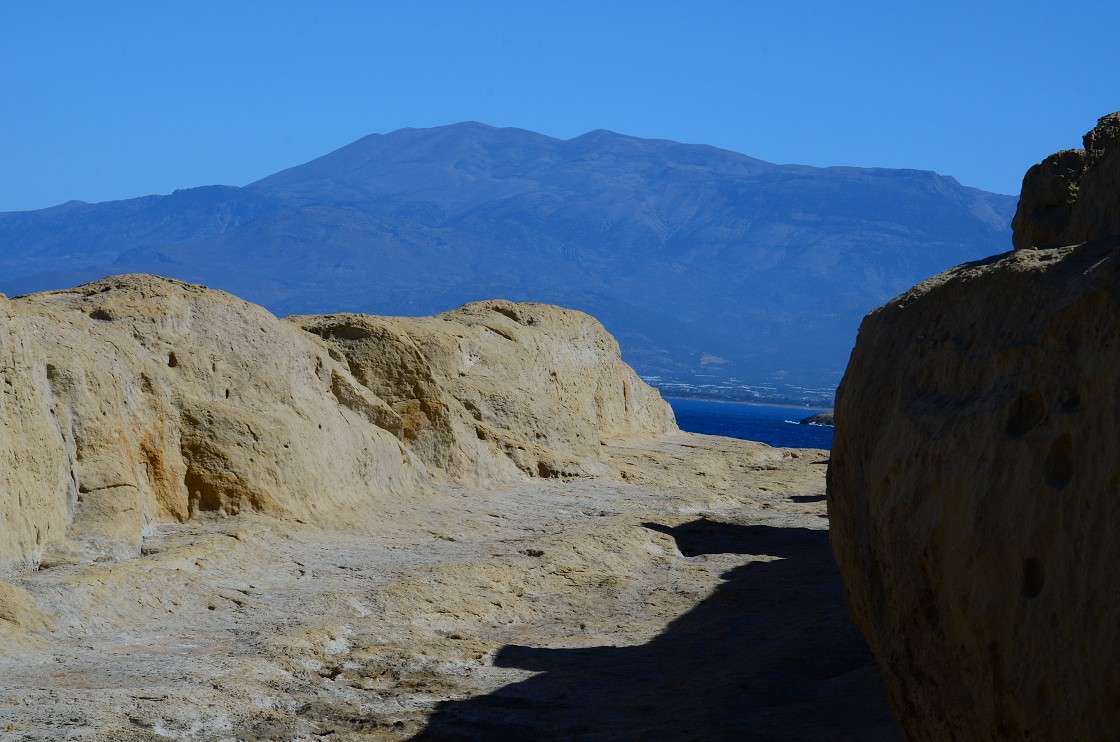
<point>137,399</point>
<point>480,525</point>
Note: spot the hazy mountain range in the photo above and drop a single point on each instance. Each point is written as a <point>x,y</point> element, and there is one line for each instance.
<point>706,264</point>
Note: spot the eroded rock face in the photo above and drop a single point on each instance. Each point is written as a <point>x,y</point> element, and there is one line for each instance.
<point>137,399</point>
<point>495,388</point>
<point>972,488</point>
<point>1074,195</point>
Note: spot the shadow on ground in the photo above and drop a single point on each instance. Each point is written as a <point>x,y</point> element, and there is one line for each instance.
<point>770,655</point>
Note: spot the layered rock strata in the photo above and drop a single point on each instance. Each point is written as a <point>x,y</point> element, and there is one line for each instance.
<point>972,484</point>
<point>137,399</point>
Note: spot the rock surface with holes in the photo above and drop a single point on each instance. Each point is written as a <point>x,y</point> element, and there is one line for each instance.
<point>972,495</point>
<point>136,400</point>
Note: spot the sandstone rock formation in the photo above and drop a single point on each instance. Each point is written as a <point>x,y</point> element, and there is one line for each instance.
<point>973,479</point>
<point>136,399</point>
<point>1074,195</point>
<point>220,525</point>
<point>496,387</point>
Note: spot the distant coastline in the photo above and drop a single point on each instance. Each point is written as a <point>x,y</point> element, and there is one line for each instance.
<point>731,389</point>
<point>809,405</point>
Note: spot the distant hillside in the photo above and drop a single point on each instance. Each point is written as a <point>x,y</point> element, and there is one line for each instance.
<point>707,265</point>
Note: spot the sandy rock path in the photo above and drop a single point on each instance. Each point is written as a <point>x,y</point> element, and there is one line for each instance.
<point>692,597</point>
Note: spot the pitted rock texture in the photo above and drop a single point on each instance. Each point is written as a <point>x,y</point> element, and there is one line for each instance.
<point>972,496</point>
<point>137,400</point>
<point>1074,195</point>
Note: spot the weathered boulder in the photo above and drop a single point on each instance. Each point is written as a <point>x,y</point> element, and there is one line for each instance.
<point>973,483</point>
<point>496,388</point>
<point>1074,195</point>
<point>137,399</point>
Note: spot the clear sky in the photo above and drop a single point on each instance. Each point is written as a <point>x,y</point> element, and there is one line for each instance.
<point>109,100</point>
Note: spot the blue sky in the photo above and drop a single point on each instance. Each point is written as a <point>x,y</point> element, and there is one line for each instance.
<point>112,100</point>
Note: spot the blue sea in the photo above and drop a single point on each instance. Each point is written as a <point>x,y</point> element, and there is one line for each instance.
<point>772,424</point>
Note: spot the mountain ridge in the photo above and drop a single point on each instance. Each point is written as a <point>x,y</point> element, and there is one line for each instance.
<point>682,250</point>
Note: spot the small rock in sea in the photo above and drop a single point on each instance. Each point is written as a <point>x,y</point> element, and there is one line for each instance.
<point>821,418</point>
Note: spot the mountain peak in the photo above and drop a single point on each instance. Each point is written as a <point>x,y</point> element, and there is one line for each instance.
<point>685,251</point>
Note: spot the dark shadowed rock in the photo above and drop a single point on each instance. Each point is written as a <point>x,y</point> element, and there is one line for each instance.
<point>973,477</point>
<point>1074,195</point>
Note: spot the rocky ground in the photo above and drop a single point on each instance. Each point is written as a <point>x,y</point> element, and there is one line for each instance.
<point>694,597</point>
